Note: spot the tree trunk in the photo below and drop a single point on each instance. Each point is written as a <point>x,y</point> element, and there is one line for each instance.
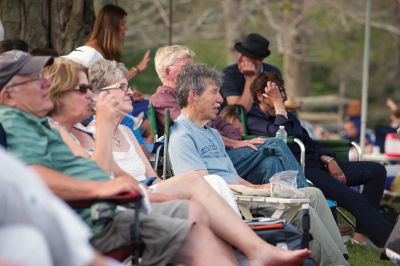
<point>57,24</point>
<point>296,70</point>
<point>234,27</point>
<point>295,50</point>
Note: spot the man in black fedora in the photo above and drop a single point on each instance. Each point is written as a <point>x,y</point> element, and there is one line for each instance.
<point>237,78</point>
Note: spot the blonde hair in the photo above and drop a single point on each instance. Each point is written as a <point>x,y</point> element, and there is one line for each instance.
<point>104,72</point>
<point>64,76</point>
<point>167,55</point>
<point>106,30</point>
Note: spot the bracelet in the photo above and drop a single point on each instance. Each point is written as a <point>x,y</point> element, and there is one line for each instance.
<point>136,69</point>
<point>328,160</point>
<point>282,112</point>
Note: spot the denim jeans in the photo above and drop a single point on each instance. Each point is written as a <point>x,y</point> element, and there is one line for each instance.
<point>258,167</point>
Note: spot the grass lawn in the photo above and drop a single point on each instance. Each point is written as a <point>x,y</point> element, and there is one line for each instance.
<point>363,256</point>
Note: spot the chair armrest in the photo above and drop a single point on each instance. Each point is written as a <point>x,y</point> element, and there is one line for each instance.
<point>121,199</point>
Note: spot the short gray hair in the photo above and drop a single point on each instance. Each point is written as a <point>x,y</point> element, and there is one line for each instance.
<point>167,55</point>
<point>104,73</point>
<point>194,77</point>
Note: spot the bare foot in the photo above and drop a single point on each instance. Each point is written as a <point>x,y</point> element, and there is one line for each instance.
<point>279,257</point>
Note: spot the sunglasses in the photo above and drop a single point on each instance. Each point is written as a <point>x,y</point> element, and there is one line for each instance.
<point>83,88</point>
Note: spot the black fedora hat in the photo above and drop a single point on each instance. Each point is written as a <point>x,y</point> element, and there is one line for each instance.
<point>253,46</point>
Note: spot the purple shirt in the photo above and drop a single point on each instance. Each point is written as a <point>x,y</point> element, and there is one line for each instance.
<point>165,97</point>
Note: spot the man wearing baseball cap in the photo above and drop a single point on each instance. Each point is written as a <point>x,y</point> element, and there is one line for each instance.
<point>22,84</point>
<point>238,77</point>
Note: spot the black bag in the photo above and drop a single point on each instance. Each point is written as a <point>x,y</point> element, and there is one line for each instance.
<point>289,234</point>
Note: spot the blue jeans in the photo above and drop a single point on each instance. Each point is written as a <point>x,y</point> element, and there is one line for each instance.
<point>258,167</point>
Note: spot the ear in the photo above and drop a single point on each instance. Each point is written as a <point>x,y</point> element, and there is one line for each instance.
<point>4,95</point>
<point>167,71</point>
<point>6,98</point>
<point>260,97</point>
<point>192,97</point>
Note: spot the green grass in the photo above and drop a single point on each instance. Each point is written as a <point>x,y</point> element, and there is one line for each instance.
<point>363,256</point>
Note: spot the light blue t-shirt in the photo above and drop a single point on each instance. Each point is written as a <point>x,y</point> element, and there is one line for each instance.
<point>194,148</point>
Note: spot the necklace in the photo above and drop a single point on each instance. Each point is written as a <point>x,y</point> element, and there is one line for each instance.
<point>116,138</point>
<point>70,133</point>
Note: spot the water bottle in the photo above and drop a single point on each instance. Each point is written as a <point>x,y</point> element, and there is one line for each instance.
<point>281,134</point>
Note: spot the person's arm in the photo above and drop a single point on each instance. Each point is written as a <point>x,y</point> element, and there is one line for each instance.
<point>231,89</point>
<point>107,116</point>
<point>70,188</point>
<point>136,70</point>
<point>246,183</point>
<point>236,144</point>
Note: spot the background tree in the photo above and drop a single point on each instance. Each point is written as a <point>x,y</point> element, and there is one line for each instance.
<point>57,24</point>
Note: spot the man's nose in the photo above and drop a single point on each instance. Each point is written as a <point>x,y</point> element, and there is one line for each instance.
<point>219,98</point>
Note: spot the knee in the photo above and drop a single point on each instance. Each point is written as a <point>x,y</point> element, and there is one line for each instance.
<point>377,171</point>
<point>198,213</point>
<point>314,194</point>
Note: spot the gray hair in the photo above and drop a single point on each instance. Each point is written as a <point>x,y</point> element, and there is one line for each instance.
<point>167,55</point>
<point>194,77</point>
<point>104,73</point>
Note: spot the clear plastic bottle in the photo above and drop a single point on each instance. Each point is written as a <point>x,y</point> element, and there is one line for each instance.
<point>281,134</point>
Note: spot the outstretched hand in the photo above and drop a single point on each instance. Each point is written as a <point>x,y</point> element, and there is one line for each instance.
<point>144,62</point>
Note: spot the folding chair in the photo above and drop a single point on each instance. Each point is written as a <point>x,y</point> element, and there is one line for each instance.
<point>167,167</point>
<point>158,142</point>
<point>122,253</point>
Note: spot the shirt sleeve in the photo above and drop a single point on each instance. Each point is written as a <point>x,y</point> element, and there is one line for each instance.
<point>231,85</point>
<point>184,156</point>
<point>28,145</point>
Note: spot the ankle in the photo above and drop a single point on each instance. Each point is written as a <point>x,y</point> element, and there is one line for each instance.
<point>360,237</point>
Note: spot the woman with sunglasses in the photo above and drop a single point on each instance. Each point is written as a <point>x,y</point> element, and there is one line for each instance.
<point>72,96</point>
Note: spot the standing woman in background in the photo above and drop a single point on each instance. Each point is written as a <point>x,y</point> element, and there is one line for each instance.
<point>108,37</point>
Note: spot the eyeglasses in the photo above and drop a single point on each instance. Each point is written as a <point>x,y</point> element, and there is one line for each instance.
<point>83,88</point>
<point>35,77</point>
<point>123,86</point>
